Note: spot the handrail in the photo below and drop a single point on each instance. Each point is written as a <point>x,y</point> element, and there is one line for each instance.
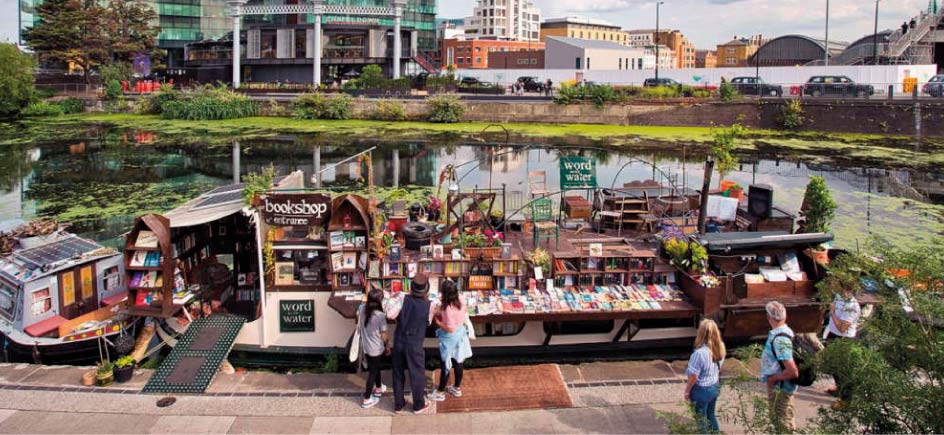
<point>906,40</point>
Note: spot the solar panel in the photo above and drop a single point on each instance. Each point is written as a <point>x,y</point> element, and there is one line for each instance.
<point>221,198</point>
<point>57,251</point>
<point>227,188</point>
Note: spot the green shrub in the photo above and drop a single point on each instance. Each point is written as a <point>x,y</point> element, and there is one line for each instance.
<point>206,103</point>
<point>117,71</point>
<point>701,93</point>
<point>599,95</point>
<point>727,92</point>
<point>71,105</point>
<point>113,90</point>
<point>340,107</point>
<point>371,77</point>
<point>791,115</point>
<point>659,92</point>
<point>40,109</point>
<point>153,104</point>
<point>308,106</point>
<point>445,109</point>
<point>276,109</point>
<point>389,110</point>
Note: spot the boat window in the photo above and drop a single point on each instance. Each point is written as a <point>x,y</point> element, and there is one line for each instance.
<point>579,327</point>
<point>112,279</point>
<point>7,299</point>
<point>505,329</point>
<point>40,302</point>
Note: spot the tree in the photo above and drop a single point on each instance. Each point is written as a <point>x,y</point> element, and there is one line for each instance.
<point>371,77</point>
<point>722,149</point>
<point>16,80</point>
<point>128,27</point>
<point>69,31</point>
<point>896,366</point>
<point>819,207</point>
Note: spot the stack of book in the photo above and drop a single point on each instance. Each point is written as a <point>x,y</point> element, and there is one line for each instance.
<point>575,299</point>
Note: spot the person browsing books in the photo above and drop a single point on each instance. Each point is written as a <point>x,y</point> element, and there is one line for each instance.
<point>408,353</point>
<point>373,332</point>
<point>454,346</point>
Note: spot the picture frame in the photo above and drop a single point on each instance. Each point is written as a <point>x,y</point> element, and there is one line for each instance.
<point>360,242</point>
<point>426,251</point>
<point>456,254</point>
<point>596,249</point>
<point>336,238</point>
<point>506,251</point>
<point>284,273</point>
<point>438,252</point>
<point>349,260</point>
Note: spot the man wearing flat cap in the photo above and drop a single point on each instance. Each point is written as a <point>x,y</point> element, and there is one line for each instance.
<point>408,353</point>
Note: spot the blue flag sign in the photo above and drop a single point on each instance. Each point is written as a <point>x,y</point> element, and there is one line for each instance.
<point>578,173</point>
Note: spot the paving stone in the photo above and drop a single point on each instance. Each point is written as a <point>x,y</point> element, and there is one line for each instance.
<point>5,413</point>
<point>74,423</point>
<point>571,373</point>
<point>191,425</point>
<point>271,425</point>
<point>347,425</point>
<point>14,373</point>
<point>605,371</point>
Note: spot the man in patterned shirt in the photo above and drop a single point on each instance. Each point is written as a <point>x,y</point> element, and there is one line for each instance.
<point>778,369</point>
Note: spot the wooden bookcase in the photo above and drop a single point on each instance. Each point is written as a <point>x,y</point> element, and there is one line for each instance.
<point>349,217</point>
<point>616,266</point>
<point>163,296</point>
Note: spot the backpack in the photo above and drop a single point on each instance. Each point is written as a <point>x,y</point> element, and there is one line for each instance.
<point>802,358</point>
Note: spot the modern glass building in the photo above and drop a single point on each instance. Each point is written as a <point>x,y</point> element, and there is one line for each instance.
<point>279,48</point>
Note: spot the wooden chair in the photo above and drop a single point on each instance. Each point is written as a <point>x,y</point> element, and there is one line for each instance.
<point>544,225</point>
<point>537,183</point>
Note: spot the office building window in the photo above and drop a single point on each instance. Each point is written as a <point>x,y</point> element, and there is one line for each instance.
<point>577,63</point>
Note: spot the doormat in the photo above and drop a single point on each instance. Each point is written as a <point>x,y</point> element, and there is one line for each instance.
<point>508,389</point>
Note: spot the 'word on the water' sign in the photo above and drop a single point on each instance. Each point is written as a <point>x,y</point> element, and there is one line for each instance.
<point>578,173</point>
<point>297,316</point>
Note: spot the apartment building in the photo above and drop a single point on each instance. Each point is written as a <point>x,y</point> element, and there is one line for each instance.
<point>683,48</point>
<point>515,20</point>
<point>737,51</point>
<point>584,28</point>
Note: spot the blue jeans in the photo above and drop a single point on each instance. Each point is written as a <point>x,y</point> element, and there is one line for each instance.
<point>705,399</point>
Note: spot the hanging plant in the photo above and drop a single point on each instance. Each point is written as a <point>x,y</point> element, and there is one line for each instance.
<point>268,257</point>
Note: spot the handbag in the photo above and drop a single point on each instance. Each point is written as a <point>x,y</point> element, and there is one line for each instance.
<point>356,342</point>
<point>470,328</point>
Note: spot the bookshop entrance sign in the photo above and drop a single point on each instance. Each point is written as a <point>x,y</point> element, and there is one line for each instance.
<point>297,316</point>
<point>296,209</point>
<point>578,173</point>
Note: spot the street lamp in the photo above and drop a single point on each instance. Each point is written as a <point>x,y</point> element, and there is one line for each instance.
<point>656,39</point>
<point>875,36</point>
<point>826,46</point>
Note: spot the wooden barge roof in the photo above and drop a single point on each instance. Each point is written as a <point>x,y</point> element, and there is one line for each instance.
<point>725,242</point>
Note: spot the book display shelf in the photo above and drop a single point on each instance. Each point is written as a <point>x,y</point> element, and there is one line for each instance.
<point>150,268</point>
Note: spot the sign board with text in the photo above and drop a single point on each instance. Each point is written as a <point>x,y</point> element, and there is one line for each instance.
<point>284,210</point>
<point>578,173</point>
<point>297,315</point>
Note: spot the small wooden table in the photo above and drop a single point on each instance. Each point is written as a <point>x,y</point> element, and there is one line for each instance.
<point>577,207</point>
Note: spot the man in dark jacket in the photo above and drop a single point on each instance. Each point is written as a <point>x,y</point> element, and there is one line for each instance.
<point>408,353</point>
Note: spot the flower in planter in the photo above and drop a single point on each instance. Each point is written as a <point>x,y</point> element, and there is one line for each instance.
<point>709,281</point>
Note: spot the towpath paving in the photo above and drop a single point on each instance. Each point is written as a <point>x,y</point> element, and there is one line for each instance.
<point>608,397</point>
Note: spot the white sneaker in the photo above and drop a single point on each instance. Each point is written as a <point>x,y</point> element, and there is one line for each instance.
<point>380,391</point>
<point>437,396</point>
<point>370,402</point>
<point>456,392</point>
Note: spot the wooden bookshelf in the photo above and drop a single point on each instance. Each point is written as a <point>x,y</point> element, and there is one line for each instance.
<point>162,297</point>
<point>622,265</point>
<point>349,218</point>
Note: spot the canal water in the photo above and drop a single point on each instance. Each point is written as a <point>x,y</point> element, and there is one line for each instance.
<point>101,184</point>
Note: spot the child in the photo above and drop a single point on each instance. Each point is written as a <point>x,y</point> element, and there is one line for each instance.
<point>454,347</point>
<point>373,330</point>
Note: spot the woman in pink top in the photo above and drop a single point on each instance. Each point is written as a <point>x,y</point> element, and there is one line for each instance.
<point>454,347</point>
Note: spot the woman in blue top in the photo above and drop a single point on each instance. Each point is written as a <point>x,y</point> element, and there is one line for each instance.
<point>704,367</point>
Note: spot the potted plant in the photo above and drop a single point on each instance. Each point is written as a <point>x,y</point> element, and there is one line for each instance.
<point>124,369</point>
<point>105,375</point>
<point>497,219</point>
<point>540,258</point>
<point>736,191</point>
<point>818,211</point>
<point>258,184</point>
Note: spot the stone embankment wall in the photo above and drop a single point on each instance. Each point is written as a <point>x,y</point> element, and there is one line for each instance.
<point>863,116</point>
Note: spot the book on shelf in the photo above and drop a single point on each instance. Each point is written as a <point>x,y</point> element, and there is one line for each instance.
<point>285,273</point>
<point>438,252</point>
<point>395,252</point>
<point>336,238</point>
<point>349,260</point>
<point>138,258</point>
<point>146,239</point>
<point>360,242</point>
<point>135,280</point>
<point>411,269</point>
<point>374,271</point>
<point>337,261</point>
<point>152,259</point>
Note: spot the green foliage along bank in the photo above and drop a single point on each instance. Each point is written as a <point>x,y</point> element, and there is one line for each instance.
<point>16,80</point>
<point>206,103</point>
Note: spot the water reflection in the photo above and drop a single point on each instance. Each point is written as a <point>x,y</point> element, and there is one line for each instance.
<point>101,184</point>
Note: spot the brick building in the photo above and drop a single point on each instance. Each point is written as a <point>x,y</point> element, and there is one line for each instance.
<point>532,59</point>
<point>705,59</point>
<point>474,53</point>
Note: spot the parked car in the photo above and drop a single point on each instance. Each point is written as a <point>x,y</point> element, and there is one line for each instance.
<point>661,81</point>
<point>472,82</point>
<point>842,86</point>
<point>532,84</point>
<point>756,86</point>
<point>934,87</point>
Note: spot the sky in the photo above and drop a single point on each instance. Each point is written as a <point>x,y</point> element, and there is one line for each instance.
<point>705,22</point>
